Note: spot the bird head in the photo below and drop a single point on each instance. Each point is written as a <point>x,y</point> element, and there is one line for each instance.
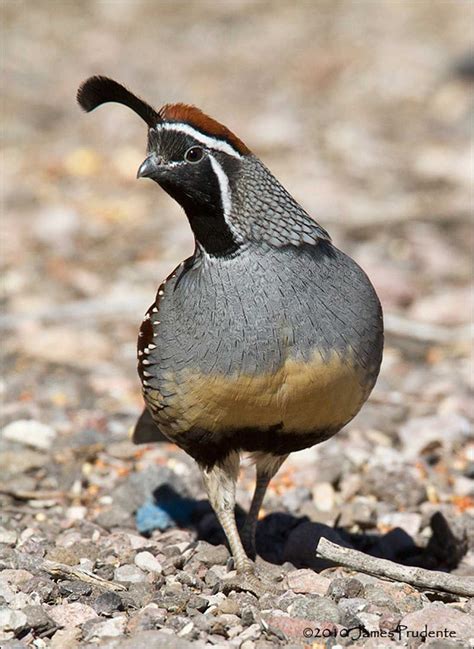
<point>209,171</point>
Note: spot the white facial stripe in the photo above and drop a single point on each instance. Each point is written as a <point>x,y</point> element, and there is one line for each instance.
<point>223,184</point>
<point>225,193</point>
<point>211,142</point>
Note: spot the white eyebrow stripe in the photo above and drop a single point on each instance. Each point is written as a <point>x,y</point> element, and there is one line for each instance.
<point>211,142</point>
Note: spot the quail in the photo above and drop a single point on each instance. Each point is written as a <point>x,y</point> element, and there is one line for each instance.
<point>268,339</point>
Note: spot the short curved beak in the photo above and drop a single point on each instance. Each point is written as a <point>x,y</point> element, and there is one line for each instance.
<point>148,167</point>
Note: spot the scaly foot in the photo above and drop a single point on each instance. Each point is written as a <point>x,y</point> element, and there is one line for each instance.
<point>250,580</point>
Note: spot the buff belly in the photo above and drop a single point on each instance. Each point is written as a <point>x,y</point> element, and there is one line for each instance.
<point>301,397</point>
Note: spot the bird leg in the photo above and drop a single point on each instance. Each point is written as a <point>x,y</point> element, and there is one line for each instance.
<point>220,483</point>
<point>267,465</point>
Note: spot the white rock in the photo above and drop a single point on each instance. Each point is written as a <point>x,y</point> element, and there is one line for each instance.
<point>30,433</point>
<point>187,628</point>
<point>129,573</point>
<point>111,628</point>
<point>8,537</point>
<point>146,561</point>
<point>20,600</point>
<point>76,513</point>
<point>70,615</point>
<point>418,433</point>
<point>410,522</point>
<point>369,620</point>
<point>253,632</point>
<point>324,496</point>
<point>11,620</point>
<point>6,592</point>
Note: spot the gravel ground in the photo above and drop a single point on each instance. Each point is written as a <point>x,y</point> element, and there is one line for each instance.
<point>363,110</point>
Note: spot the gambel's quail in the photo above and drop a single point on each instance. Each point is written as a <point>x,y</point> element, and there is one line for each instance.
<point>268,339</point>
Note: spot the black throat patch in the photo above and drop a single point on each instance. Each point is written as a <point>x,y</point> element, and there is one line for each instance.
<point>199,195</point>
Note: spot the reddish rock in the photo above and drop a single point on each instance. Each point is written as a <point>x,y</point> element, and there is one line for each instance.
<point>307,581</point>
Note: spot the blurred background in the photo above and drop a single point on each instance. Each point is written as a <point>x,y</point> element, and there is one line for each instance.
<point>363,109</point>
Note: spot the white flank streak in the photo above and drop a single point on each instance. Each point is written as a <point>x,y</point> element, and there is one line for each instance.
<point>211,142</point>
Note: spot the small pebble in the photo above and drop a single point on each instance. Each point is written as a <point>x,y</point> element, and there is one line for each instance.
<point>324,496</point>
<point>130,574</point>
<point>11,620</point>
<point>307,581</point>
<point>70,615</point>
<point>146,561</point>
<point>107,603</point>
<point>30,433</point>
<point>9,537</point>
<point>74,589</point>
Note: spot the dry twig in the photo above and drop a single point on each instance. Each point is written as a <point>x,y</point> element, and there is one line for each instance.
<point>62,571</point>
<point>419,577</point>
<point>21,494</point>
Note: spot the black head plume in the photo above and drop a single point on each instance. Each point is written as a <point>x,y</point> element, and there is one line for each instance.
<point>100,90</point>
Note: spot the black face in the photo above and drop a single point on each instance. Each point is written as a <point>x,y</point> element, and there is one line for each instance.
<point>183,167</point>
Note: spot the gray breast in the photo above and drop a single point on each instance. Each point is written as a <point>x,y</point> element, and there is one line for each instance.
<point>251,313</point>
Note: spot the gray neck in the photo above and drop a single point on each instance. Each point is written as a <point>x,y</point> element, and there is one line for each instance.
<point>262,209</point>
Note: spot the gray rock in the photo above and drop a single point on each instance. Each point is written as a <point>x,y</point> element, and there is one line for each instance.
<point>30,433</point>
<point>107,603</point>
<point>215,575</point>
<point>409,522</point>
<point>400,487</point>
<point>138,595</point>
<point>115,516</point>
<point>349,609</point>
<point>11,620</point>
<point>196,603</point>
<point>110,628</point>
<point>345,587</point>
<point>211,555</point>
<point>418,433</point>
<point>14,462</point>
<point>149,617</point>
<point>394,596</point>
<point>292,499</point>
<point>172,602</point>
<point>129,574</point>
<point>441,619</point>
<point>69,556</point>
<point>316,609</point>
<point>37,618</point>
<point>42,588</point>
<point>360,511</point>
<point>157,640</point>
<point>73,590</point>
<point>140,487</point>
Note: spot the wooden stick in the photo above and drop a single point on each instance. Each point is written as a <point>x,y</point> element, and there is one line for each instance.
<point>419,577</point>
<point>62,571</point>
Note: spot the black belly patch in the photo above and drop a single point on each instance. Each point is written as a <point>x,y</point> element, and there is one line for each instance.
<point>207,448</point>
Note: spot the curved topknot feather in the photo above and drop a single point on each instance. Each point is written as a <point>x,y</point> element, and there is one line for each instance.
<point>100,90</point>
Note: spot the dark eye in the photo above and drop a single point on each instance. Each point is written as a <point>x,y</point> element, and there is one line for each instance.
<point>194,154</point>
